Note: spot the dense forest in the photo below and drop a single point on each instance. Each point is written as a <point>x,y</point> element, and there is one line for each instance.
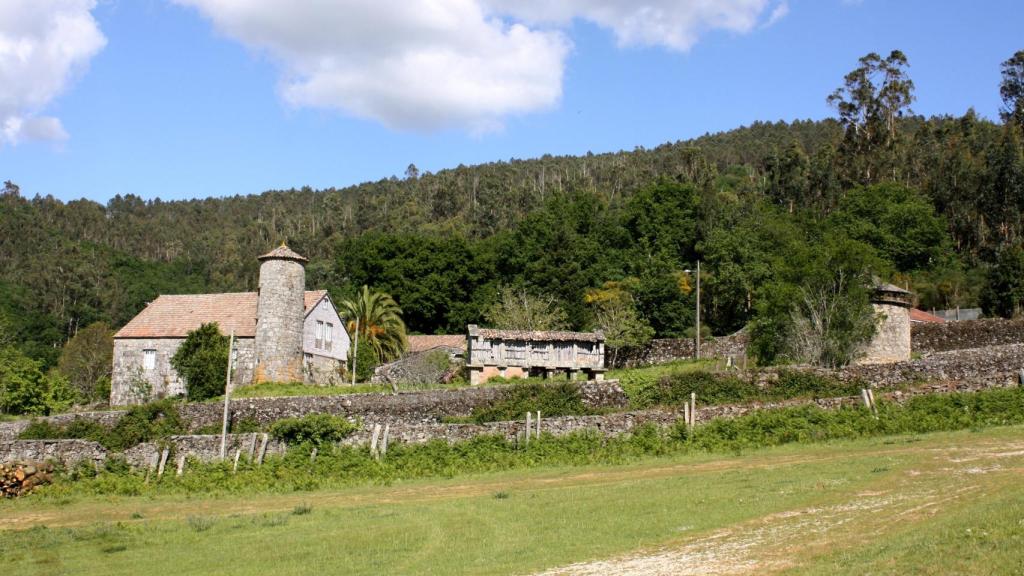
<point>934,204</point>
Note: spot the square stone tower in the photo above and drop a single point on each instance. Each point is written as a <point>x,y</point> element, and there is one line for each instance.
<point>279,316</point>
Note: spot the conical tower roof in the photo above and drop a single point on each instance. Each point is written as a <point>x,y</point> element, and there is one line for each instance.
<point>283,252</point>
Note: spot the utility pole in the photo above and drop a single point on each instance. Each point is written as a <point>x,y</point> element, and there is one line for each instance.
<point>698,309</point>
<point>227,399</point>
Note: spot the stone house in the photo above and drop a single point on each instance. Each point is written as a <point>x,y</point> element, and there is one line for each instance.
<point>283,333</point>
<point>521,353</point>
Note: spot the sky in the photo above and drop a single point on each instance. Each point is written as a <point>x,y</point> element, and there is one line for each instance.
<point>179,99</point>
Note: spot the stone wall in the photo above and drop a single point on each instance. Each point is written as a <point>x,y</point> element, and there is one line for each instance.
<point>662,350</point>
<point>423,406</point>
<point>66,452</point>
<point>206,448</point>
<point>929,338</point>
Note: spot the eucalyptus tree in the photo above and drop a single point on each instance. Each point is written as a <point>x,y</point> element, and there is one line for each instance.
<point>1011,89</point>
<point>873,97</point>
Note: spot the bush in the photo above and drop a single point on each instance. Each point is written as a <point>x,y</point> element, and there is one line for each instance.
<point>365,362</point>
<point>674,389</point>
<point>140,424</point>
<point>315,429</point>
<point>561,399</point>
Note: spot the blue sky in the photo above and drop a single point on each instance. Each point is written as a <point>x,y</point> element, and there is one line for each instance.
<point>187,99</point>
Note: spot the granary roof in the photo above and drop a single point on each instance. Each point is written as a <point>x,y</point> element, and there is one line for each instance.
<point>546,335</point>
<point>424,343</point>
<point>283,252</point>
<point>175,315</point>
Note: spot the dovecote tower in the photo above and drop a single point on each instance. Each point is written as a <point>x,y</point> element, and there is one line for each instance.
<point>891,342</point>
<point>279,316</point>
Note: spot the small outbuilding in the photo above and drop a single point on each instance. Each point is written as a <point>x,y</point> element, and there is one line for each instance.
<point>521,353</point>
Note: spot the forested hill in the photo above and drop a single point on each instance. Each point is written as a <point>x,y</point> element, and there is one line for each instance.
<point>947,196</point>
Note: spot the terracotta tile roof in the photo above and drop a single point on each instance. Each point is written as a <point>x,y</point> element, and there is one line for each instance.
<point>922,316</point>
<point>424,343</point>
<point>174,316</point>
<point>283,252</point>
<point>551,335</point>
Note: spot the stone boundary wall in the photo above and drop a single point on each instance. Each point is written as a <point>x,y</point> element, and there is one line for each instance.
<point>929,338</point>
<point>662,350</point>
<point>423,406</point>
<point>206,448</point>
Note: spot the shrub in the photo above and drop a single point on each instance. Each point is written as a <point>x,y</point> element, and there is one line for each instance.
<point>140,424</point>
<point>675,389</point>
<point>313,429</point>
<point>561,399</point>
<point>202,360</point>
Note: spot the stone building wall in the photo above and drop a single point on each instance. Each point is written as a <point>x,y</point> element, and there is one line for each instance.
<point>280,313</point>
<point>323,371</point>
<point>891,342</point>
<point>130,383</point>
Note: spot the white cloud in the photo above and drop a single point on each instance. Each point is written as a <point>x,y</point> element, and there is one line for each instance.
<point>778,13</point>
<point>431,64</point>
<point>43,43</point>
<point>673,24</point>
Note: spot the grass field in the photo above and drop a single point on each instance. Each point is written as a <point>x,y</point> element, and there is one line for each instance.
<point>947,503</point>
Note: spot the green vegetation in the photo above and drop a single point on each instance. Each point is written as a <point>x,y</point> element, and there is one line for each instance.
<point>25,389</point>
<point>561,399</point>
<point>202,360</point>
<point>269,389</point>
<point>315,429</point>
<point>743,511</point>
<point>341,466</point>
<point>143,423</point>
<point>378,319</point>
<point>787,220</point>
<point>86,360</point>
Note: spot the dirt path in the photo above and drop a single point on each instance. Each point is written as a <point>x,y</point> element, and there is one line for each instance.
<point>781,540</point>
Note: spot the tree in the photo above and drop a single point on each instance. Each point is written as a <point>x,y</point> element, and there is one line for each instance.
<point>1003,294</point>
<point>615,314</point>
<point>520,310</point>
<point>819,311</point>
<point>873,97</point>
<point>1011,89</point>
<point>24,389</point>
<point>202,360</point>
<point>379,321</point>
<point>86,360</point>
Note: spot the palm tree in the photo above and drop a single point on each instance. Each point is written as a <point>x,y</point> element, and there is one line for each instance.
<point>380,323</point>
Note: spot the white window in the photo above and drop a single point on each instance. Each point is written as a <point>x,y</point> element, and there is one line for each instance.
<point>149,359</point>
<point>319,334</point>
<point>328,336</point>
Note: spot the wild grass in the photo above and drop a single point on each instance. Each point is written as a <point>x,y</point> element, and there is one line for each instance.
<point>529,521</point>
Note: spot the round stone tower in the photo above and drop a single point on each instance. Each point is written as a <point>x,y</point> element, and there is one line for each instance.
<point>891,342</point>
<point>279,316</point>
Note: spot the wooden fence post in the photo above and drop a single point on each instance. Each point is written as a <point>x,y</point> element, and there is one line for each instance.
<point>528,426</point>
<point>181,465</point>
<point>252,447</point>
<point>238,452</point>
<point>693,409</point>
<point>312,455</point>
<point>384,440</point>
<point>373,441</point>
<point>537,435</point>
<point>163,461</point>
<point>263,449</point>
